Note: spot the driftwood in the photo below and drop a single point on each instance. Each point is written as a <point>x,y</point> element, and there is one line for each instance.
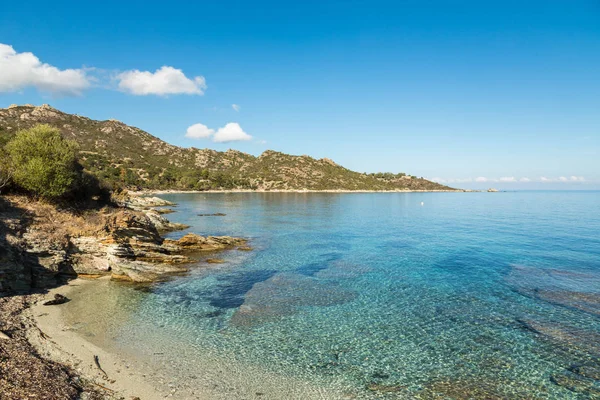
<point>4,336</point>
<point>212,215</point>
<point>58,299</point>
<point>97,362</point>
<point>103,387</point>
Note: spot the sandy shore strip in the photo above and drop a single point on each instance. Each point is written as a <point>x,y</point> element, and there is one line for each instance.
<point>64,345</point>
<point>132,376</point>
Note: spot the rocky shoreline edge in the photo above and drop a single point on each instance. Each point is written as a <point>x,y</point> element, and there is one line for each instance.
<point>43,247</point>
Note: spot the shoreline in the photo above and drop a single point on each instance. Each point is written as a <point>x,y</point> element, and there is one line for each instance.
<point>66,346</point>
<point>174,191</point>
<point>134,376</point>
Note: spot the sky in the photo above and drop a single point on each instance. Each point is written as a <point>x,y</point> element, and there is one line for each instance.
<point>474,94</point>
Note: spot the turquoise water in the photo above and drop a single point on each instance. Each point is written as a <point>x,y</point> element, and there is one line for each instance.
<point>468,295</point>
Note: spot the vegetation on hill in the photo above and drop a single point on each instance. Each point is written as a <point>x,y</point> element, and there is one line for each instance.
<point>124,156</point>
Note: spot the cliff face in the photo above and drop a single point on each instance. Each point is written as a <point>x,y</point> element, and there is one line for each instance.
<point>120,153</point>
<point>41,245</point>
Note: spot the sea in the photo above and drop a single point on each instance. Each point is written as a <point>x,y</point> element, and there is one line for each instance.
<point>370,296</point>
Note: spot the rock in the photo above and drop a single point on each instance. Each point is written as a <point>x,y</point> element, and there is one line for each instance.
<point>162,210</point>
<point>140,203</point>
<point>120,242</point>
<point>492,190</point>
<point>58,299</point>
<point>575,384</point>
<point>245,248</point>
<point>215,261</point>
<point>589,371</point>
<point>162,224</point>
<point>195,242</point>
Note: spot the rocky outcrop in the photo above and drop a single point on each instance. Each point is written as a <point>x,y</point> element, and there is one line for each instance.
<point>43,245</point>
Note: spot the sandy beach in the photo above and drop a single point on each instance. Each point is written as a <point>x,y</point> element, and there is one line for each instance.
<point>64,345</point>
<point>129,375</point>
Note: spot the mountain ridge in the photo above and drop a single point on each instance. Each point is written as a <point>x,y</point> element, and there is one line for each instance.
<point>128,156</point>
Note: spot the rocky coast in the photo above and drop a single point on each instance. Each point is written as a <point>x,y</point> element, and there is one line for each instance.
<point>45,246</point>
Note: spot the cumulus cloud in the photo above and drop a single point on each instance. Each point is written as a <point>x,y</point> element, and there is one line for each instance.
<point>164,81</point>
<point>21,70</point>
<point>199,131</point>
<point>511,179</point>
<point>563,179</point>
<point>231,132</point>
<point>235,107</point>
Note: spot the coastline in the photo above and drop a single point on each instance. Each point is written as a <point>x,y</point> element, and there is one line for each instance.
<point>65,346</point>
<point>130,375</point>
<point>146,192</point>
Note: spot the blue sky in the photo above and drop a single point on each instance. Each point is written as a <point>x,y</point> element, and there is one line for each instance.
<point>476,94</point>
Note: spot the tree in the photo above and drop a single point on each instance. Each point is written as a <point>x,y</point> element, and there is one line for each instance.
<point>44,162</point>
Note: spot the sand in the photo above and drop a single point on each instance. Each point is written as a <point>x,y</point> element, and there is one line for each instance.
<point>66,346</point>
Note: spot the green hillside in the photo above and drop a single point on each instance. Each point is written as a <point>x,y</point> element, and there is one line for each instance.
<point>124,155</point>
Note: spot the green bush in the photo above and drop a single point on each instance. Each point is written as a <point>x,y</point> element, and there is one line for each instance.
<point>44,163</point>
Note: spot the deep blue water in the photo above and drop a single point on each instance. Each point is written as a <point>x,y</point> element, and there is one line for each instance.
<point>468,295</point>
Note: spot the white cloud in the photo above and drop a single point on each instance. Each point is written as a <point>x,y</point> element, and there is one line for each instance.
<point>21,70</point>
<point>199,131</point>
<point>511,179</point>
<point>166,80</point>
<point>563,179</point>
<point>232,132</point>
<point>236,107</point>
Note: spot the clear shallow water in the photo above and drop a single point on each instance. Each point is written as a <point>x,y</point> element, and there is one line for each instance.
<point>471,295</point>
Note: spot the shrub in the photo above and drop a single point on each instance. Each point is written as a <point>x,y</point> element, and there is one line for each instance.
<point>44,162</point>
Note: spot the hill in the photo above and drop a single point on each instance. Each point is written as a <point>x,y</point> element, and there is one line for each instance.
<point>125,155</point>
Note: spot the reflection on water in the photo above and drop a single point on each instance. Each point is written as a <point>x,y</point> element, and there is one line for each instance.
<point>487,296</point>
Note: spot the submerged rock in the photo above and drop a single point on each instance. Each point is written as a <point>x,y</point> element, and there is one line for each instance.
<point>576,383</point>
<point>283,293</point>
<point>587,370</point>
<point>571,289</point>
<point>564,335</point>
